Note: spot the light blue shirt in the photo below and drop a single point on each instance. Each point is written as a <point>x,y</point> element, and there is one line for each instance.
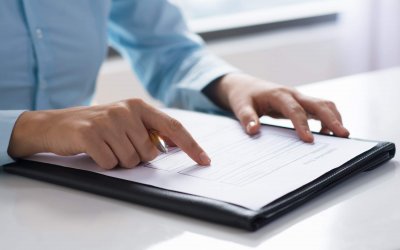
<point>51,52</point>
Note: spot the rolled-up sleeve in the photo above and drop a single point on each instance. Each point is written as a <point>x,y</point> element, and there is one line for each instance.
<point>7,121</point>
<point>171,62</point>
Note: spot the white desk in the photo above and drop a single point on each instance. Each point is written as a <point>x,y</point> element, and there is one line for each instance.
<point>361,214</point>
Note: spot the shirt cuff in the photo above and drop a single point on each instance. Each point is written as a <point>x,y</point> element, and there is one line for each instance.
<point>206,70</point>
<point>7,122</point>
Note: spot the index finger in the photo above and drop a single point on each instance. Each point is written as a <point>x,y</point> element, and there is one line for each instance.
<point>291,109</point>
<point>176,132</point>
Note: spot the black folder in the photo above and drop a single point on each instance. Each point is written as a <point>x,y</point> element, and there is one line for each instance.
<point>197,206</point>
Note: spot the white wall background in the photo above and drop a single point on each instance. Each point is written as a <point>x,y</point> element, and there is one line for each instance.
<point>366,37</point>
<point>370,35</point>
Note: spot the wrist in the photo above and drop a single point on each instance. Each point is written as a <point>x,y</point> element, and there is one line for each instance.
<point>27,135</point>
<point>222,91</point>
<point>218,91</point>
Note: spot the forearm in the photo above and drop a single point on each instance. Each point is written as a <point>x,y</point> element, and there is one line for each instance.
<point>26,138</point>
<point>170,61</point>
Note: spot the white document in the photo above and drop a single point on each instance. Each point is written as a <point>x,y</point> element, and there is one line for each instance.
<point>247,171</point>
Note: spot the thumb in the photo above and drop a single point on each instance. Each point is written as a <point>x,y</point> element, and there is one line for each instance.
<point>248,117</point>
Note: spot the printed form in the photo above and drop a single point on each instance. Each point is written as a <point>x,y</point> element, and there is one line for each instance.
<point>250,171</point>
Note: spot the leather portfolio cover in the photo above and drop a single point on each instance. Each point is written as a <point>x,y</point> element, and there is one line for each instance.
<point>197,206</point>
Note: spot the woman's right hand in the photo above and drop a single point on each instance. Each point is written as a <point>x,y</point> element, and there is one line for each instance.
<point>113,134</point>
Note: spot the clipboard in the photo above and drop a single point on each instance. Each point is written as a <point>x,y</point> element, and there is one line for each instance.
<point>197,206</point>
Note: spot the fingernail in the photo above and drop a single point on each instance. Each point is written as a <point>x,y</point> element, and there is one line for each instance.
<point>310,135</point>
<point>250,125</point>
<point>347,132</point>
<point>205,160</point>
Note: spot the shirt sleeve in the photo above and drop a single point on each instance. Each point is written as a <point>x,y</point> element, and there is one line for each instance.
<point>7,121</point>
<point>170,61</point>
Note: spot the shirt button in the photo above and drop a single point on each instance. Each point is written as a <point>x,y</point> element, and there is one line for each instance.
<point>39,33</point>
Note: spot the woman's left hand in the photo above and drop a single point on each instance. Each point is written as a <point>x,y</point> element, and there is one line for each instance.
<point>249,98</point>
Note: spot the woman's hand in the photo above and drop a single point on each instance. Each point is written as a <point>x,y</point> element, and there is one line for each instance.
<point>114,134</point>
<point>249,98</point>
